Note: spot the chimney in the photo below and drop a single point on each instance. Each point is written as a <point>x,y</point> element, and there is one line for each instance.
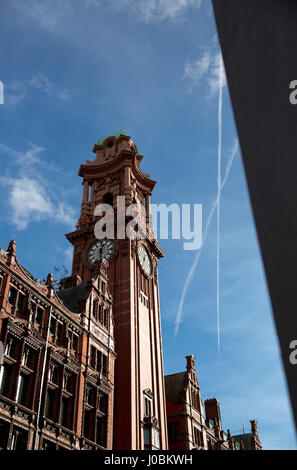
<point>212,411</point>
<point>254,426</point>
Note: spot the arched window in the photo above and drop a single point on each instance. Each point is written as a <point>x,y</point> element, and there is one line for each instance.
<point>101,313</point>
<point>108,199</point>
<point>110,144</point>
<point>95,309</point>
<point>106,317</point>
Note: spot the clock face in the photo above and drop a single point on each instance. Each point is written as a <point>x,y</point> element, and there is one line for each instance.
<point>144,259</point>
<point>99,250</point>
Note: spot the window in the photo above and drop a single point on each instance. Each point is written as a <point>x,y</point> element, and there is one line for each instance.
<point>101,430</point>
<point>195,399</point>
<point>53,326</point>
<point>25,358</point>
<point>50,401</point>
<point>100,313</point>
<point>59,335</point>
<point>39,316</point>
<point>13,441</point>
<point>91,396</point>
<point>19,439</point>
<point>151,438</point>
<point>12,294</point>
<point>155,440</point>
<point>66,381</point>
<point>108,199</point>
<point>95,358</point>
<point>47,445</point>
<point>106,317</point>
<point>198,437</point>
<point>103,403</point>
<point>88,424</point>
<point>4,379</point>
<point>147,437</point>
<point>22,389</point>
<point>74,342</point>
<point>95,309</point>
<point>65,416</point>
<point>99,361</point>
<point>8,347</point>
<point>104,365</point>
<point>147,406</point>
<point>173,431</point>
<point>56,330</point>
<point>21,303</point>
<point>52,373</point>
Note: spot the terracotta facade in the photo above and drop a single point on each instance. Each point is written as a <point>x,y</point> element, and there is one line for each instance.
<point>83,361</point>
<point>49,380</point>
<point>194,427</point>
<point>105,331</point>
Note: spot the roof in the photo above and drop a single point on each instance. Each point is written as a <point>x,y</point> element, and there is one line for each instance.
<point>116,134</point>
<point>72,296</point>
<point>174,385</point>
<point>246,440</point>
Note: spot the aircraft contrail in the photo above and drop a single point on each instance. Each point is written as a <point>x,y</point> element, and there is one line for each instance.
<point>220,111</point>
<point>197,257</point>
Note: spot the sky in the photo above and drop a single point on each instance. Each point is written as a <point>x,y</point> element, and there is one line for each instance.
<point>76,70</point>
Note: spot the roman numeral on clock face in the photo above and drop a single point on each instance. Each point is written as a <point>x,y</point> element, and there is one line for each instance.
<point>99,250</point>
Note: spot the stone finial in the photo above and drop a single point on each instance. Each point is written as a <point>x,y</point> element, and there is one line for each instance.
<point>11,247</point>
<point>230,440</point>
<point>191,362</point>
<point>50,284</point>
<point>11,252</point>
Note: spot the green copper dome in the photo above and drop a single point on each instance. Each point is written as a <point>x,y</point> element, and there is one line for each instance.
<point>116,134</point>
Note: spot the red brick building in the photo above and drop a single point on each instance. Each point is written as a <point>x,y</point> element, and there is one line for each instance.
<point>83,365</point>
<point>190,427</point>
<point>83,362</point>
<point>57,379</point>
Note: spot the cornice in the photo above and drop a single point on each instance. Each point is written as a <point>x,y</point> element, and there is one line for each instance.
<point>126,157</point>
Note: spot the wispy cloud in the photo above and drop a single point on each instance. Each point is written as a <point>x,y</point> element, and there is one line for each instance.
<point>30,201</point>
<point>42,83</point>
<point>51,15</point>
<point>28,158</point>
<point>205,72</point>
<point>155,11</point>
<point>29,195</point>
<point>18,89</point>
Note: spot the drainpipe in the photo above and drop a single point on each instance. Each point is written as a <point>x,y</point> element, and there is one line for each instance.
<point>42,380</point>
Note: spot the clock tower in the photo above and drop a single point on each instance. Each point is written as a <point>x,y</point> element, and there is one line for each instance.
<point>115,178</point>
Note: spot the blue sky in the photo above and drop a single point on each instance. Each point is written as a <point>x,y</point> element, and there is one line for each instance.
<point>76,70</point>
